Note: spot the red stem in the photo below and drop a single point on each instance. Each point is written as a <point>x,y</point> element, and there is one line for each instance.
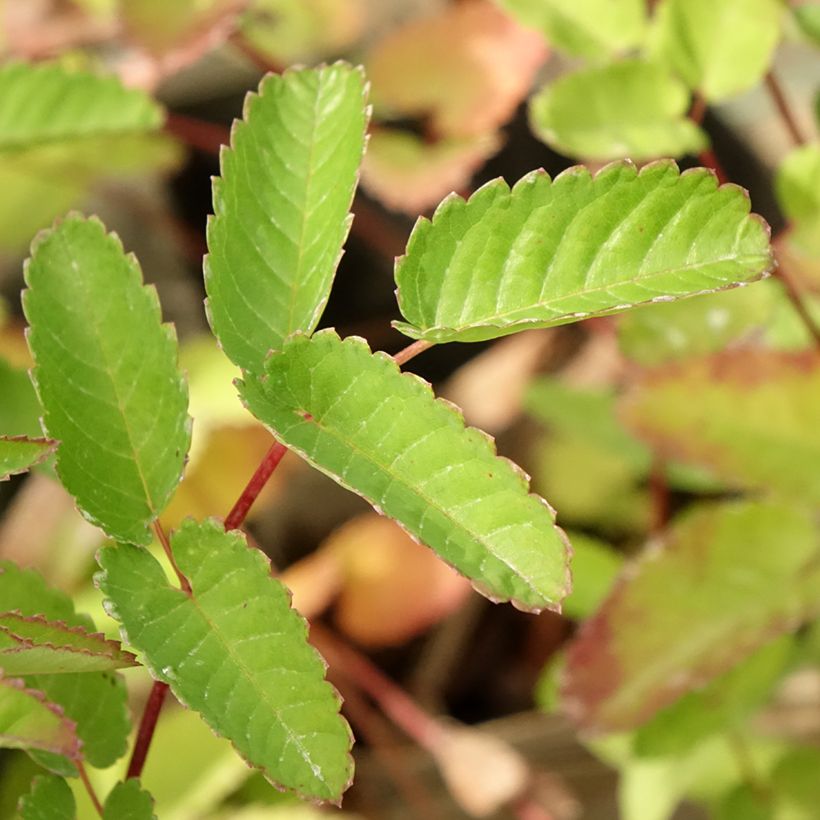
<point>148,723</point>
<point>783,108</point>
<point>166,546</point>
<point>258,480</point>
<point>89,787</point>
<point>204,136</point>
<point>404,356</point>
<point>797,303</point>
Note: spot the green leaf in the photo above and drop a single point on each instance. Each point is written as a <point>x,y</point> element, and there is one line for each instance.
<point>630,109</point>
<point>107,375</point>
<point>49,798</point>
<point>660,333</point>
<point>20,409</point>
<point>28,720</point>
<point>797,185</point>
<point>728,579</point>
<point>127,801</point>
<point>753,424</point>
<point>721,705</point>
<point>718,47</point>
<point>95,701</point>
<point>20,453</point>
<point>381,433</point>
<point>33,645</point>
<point>584,28</point>
<point>795,780</point>
<point>281,208</point>
<point>807,16</point>
<point>595,566</point>
<point>235,651</point>
<point>547,253</point>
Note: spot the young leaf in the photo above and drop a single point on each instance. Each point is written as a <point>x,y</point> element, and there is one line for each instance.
<point>754,423</point>
<point>21,453</point>
<point>127,801</point>
<point>107,375</point>
<point>584,28</point>
<point>626,109</point>
<point>382,434</point>
<point>630,660</point>
<point>797,183</point>
<point>33,645</point>
<point>551,252</point>
<point>29,721</point>
<point>235,651</point>
<point>49,798</point>
<point>719,47</point>
<point>281,208</point>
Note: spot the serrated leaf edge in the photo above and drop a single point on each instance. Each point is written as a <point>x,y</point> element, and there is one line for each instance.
<point>50,445</point>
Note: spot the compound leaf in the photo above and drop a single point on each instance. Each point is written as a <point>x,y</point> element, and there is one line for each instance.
<point>235,651</point>
<point>281,208</point>
<point>551,252</point>
<point>584,28</point>
<point>28,720</point>
<point>127,801</point>
<point>106,372</point>
<point>626,109</point>
<point>49,798</point>
<point>719,47</point>
<point>382,434</point>
<point>20,453</point>
<point>754,423</point>
<point>729,578</point>
<point>33,645</point>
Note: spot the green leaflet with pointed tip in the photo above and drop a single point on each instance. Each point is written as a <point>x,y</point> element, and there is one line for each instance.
<point>718,47</point>
<point>631,108</point>
<point>281,208</point>
<point>381,433</point>
<point>33,645</point>
<point>127,801</point>
<point>754,423</point>
<point>106,371</point>
<point>235,651</point>
<point>551,252</point>
<point>20,453</point>
<point>49,798</point>
<point>729,578</point>
<point>584,28</point>
<point>96,701</point>
<point>28,720</point>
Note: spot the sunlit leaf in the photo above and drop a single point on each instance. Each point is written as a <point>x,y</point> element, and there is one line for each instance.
<point>466,68</point>
<point>20,453</point>
<point>585,28</point>
<point>28,720</point>
<point>630,109</point>
<point>547,253</point>
<point>408,174</point>
<point>33,645</point>
<point>49,798</point>
<point>127,801</point>
<point>719,47</point>
<point>729,578</point>
<point>382,434</point>
<point>234,650</point>
<point>753,424</point>
<point>107,375</point>
<point>281,208</point>
<point>667,332</point>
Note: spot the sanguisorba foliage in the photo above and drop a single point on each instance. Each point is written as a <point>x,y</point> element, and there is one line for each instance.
<point>225,638</point>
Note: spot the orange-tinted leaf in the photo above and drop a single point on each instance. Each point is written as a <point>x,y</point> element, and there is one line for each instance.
<point>467,68</point>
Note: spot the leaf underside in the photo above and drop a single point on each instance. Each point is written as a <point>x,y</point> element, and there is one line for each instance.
<point>281,208</point>
<point>550,252</point>
<point>382,434</point>
<point>236,652</point>
<point>107,375</point>
<point>630,660</point>
<point>21,453</point>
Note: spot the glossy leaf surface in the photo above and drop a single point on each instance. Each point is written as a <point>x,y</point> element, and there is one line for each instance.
<point>382,434</point>
<point>630,109</point>
<point>729,578</point>
<point>551,252</point>
<point>107,375</point>
<point>281,208</point>
<point>719,47</point>
<point>235,651</point>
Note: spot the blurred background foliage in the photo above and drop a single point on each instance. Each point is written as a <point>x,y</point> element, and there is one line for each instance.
<point>662,428</point>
